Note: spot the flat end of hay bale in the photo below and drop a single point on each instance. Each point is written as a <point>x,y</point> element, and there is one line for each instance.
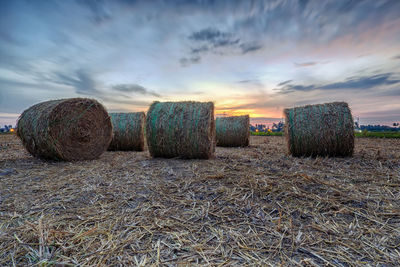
<point>65,129</point>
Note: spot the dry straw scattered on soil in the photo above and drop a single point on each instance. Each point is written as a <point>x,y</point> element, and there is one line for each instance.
<point>233,131</point>
<point>66,129</point>
<point>128,131</point>
<point>320,130</point>
<point>248,206</point>
<point>181,129</point>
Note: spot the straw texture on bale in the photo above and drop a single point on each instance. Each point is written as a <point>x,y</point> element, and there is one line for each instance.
<point>320,130</point>
<point>128,129</point>
<point>66,129</point>
<point>181,129</point>
<point>233,131</point>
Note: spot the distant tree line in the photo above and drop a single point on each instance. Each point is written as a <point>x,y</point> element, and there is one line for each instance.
<point>279,127</point>
<point>6,129</point>
<point>276,127</point>
<point>380,128</point>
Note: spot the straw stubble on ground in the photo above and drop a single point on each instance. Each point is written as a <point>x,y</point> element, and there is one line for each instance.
<point>248,206</point>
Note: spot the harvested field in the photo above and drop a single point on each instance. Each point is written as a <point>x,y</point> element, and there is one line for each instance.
<point>248,206</point>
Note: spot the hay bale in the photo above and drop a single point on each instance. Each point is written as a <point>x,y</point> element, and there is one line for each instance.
<point>320,130</point>
<point>233,131</point>
<point>128,129</point>
<point>66,129</point>
<point>181,129</point>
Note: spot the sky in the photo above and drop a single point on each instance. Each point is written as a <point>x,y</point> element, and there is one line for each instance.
<point>248,57</point>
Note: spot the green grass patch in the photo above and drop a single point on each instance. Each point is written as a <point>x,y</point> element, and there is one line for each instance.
<point>267,133</point>
<point>378,134</point>
<point>361,135</point>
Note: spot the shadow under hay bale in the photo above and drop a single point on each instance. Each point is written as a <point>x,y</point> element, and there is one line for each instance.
<point>181,129</point>
<point>66,129</point>
<point>320,130</point>
<point>233,131</point>
<point>128,129</point>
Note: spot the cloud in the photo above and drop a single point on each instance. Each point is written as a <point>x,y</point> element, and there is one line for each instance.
<point>364,82</point>
<point>71,42</point>
<point>112,99</point>
<point>99,11</point>
<point>214,40</point>
<point>211,39</point>
<point>211,35</point>
<point>393,92</point>
<point>200,49</point>
<point>285,82</point>
<point>250,47</point>
<point>187,61</point>
<point>319,21</point>
<point>292,88</point>
<point>248,81</point>
<point>352,83</point>
<point>81,80</point>
<point>305,64</point>
<point>134,88</point>
<point>252,83</point>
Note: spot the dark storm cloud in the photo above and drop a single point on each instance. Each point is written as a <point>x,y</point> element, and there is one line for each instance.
<point>134,88</point>
<point>352,83</point>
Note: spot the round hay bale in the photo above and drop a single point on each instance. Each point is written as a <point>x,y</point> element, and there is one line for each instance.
<point>181,129</point>
<point>128,129</point>
<point>233,131</point>
<point>320,130</point>
<point>66,129</point>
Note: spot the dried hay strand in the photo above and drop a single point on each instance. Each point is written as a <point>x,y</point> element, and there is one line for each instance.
<point>247,207</point>
<point>65,129</point>
<point>233,131</point>
<point>181,129</point>
<point>128,129</point>
<point>320,130</point>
